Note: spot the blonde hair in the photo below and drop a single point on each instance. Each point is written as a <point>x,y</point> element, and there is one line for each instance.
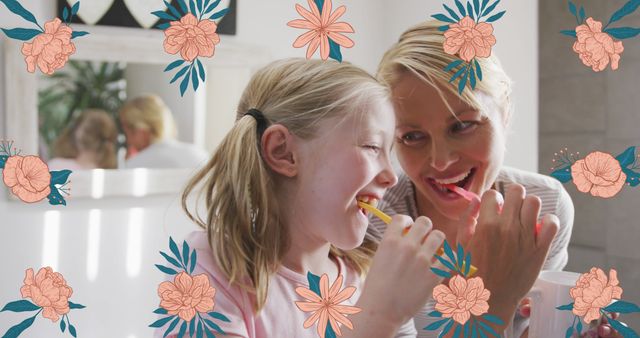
<point>93,131</point>
<point>150,113</point>
<point>419,50</point>
<point>243,221</point>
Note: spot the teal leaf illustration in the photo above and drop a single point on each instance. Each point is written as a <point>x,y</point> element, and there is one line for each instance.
<point>496,17</point>
<point>633,178</point>
<point>3,160</point>
<point>582,14</point>
<point>60,177</point>
<point>623,32</point>
<point>566,307</point>
<point>320,4</point>
<point>192,327</point>
<point>435,314</point>
<point>579,327</point>
<point>467,260</point>
<point>209,333</point>
<point>572,9</point>
<point>449,253</point>
<point>314,283</point>
<point>476,7</point>
<point>488,329</point>
<point>171,326</point>
<point>627,157</point>
<point>445,262</point>
<point>334,51</point>
<point>171,260</point>
<point>15,7</point>
<point>16,330</point>
<point>467,329</point>
<point>452,13</point>
<point>161,322</point>
<point>192,7</point>
<point>183,329</point>
<point>199,4</point>
<point>76,306</point>
<point>462,84</point>
<point>452,65</point>
<point>474,331</point>
<point>478,69</point>
<point>193,261</point>
<point>482,334</point>
<point>626,331</point>
<point>183,88</point>
<point>219,316</point>
<point>569,32</point>
<point>160,311</point>
<point>484,4</point>
<point>472,77</point>
<point>55,198</point>
<point>490,8</point>
<point>20,306</point>
<point>173,65</point>
<point>22,34</point>
<point>164,15</point>
<point>199,330</point>
<point>201,70</point>
<point>172,9</point>
<point>627,9</point>
<point>183,6</point>
<point>563,174</point>
<point>443,17</point>
<point>77,34</point>
<point>460,255</point>
<point>213,325</point>
<point>492,319</point>
<point>456,332</point>
<point>441,273</point>
<point>212,6</point>
<point>458,73</point>
<point>622,307</point>
<point>329,333</point>
<point>185,253</point>
<point>194,78</point>
<point>436,325</point>
<point>569,332</point>
<point>443,28</point>
<point>72,330</point>
<point>163,25</point>
<point>65,14</point>
<point>63,325</point>
<point>446,329</point>
<point>460,8</point>
<point>176,77</point>
<point>166,270</point>
<point>470,11</point>
<point>75,8</point>
<point>174,249</point>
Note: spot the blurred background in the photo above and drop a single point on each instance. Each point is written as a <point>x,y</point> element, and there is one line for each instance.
<point>106,247</point>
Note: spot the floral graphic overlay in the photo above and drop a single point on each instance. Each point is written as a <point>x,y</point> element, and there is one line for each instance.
<point>324,302</point>
<point>49,294</point>
<point>29,177</point>
<point>595,44</point>
<point>464,303</point>
<point>188,299</point>
<point>469,38</point>
<point>596,296</point>
<point>51,46</point>
<point>599,173</point>
<point>191,31</point>
<point>323,30</point>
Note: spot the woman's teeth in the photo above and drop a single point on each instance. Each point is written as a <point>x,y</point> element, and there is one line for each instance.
<point>453,180</point>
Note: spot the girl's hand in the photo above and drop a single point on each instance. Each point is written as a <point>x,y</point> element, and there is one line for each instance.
<point>400,279</point>
<point>505,248</point>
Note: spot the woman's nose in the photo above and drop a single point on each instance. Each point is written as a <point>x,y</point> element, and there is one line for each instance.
<point>442,155</point>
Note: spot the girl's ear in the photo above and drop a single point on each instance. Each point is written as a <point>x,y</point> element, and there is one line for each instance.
<point>279,150</point>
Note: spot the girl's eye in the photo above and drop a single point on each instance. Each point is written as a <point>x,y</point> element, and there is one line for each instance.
<point>463,126</point>
<point>372,147</point>
<point>411,138</point>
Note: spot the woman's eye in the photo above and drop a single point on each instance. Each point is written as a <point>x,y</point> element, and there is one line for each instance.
<point>463,126</point>
<point>411,138</point>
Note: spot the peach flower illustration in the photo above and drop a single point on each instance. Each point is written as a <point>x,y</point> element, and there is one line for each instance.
<point>49,50</point>
<point>192,38</point>
<point>593,291</point>
<point>599,174</point>
<point>48,290</point>
<point>187,295</point>
<point>326,307</point>
<point>322,27</point>
<point>463,298</point>
<point>469,39</point>
<point>28,177</point>
<point>596,48</point>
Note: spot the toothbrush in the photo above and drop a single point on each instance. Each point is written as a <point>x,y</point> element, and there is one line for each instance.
<point>387,219</point>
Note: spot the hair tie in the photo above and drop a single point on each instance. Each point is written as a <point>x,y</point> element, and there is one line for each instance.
<point>260,119</point>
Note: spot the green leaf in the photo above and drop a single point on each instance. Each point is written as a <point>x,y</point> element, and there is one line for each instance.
<point>478,70</point>
<point>65,14</point>
<point>627,9</point>
<point>161,322</point>
<point>461,8</point>
<point>183,329</point>
<point>171,260</point>
<point>470,11</point>
<point>194,78</point>
<point>622,307</point>
<point>452,65</point>
<point>568,32</point>
<point>77,34</point>
<point>201,70</point>
<point>492,319</point>
<point>171,327</point>
<point>199,4</point>
<point>456,332</point>
<point>476,7</point>
<point>163,25</point>
<point>626,331</point>
<point>219,14</point>
<point>22,34</point>
<point>60,177</point>
<point>460,255</point>
<point>199,330</point>
<point>3,160</point>
<point>445,262</point>
<point>441,273</point>
<point>488,329</point>
<point>314,283</point>
<point>451,12</point>
<point>72,330</point>
<point>193,261</point>
<point>436,325</point>
<point>443,17</point>
<point>572,9</point>
<point>446,329</point>
<point>183,6</point>
<point>579,327</point>
<point>192,326</point>
<point>443,28</point>
<point>458,73</point>
<point>20,306</point>
<point>435,313</point>
<point>566,307</point>
<point>334,51</point>
<point>623,32</point>
<point>63,325</point>
<point>213,326</point>
<point>16,330</point>
<point>172,9</point>
<point>172,245</point>
<point>76,306</point>
<point>160,311</point>
<point>183,88</point>
<point>185,253</point>
<point>461,85</point>
<point>582,14</point>
<point>449,252</point>
<point>472,77</point>
<point>569,332</point>
<point>15,7</point>
<point>219,316</point>
<point>496,17</point>
<point>490,8</point>
<point>164,15</point>
<point>192,7</point>
<point>166,270</point>
<point>484,4</point>
<point>212,6</point>
<point>75,8</point>
<point>627,157</point>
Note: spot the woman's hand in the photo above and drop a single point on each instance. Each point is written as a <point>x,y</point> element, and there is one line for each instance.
<point>505,248</point>
<point>400,279</point>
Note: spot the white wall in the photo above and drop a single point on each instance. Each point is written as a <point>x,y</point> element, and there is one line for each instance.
<point>23,227</point>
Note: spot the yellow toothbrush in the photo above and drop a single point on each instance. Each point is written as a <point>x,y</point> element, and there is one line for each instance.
<point>387,219</point>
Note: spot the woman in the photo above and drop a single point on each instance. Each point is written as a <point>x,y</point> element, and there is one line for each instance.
<point>89,143</point>
<point>148,124</point>
<point>443,137</point>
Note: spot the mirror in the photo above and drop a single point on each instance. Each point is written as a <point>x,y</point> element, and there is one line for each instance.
<point>88,100</point>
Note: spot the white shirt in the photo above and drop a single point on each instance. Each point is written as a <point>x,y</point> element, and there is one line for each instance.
<point>168,154</point>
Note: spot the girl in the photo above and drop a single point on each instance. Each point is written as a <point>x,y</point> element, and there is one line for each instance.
<point>311,139</point>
